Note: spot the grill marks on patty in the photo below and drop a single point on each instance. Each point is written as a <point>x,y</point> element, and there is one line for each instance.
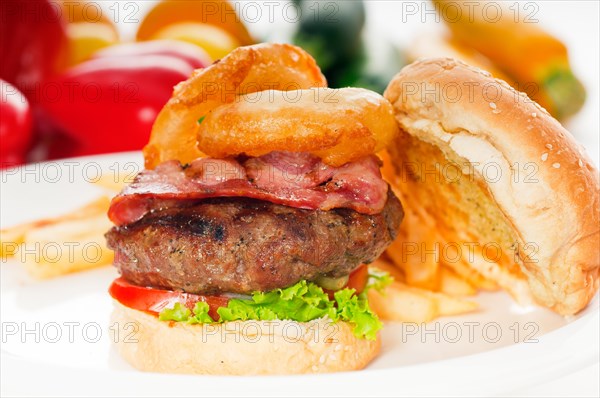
<point>241,245</point>
<point>194,224</point>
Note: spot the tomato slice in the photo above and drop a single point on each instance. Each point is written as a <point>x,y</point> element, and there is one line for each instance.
<point>154,300</point>
<point>357,280</point>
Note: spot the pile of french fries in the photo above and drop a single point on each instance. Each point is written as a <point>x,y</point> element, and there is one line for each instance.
<point>405,302</point>
<point>56,246</point>
<point>426,284</point>
<point>68,243</point>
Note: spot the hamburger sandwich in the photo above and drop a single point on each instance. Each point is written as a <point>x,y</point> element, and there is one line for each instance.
<point>242,246</point>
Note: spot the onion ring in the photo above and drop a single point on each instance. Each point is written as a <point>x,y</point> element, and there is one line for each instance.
<point>337,125</point>
<point>245,70</point>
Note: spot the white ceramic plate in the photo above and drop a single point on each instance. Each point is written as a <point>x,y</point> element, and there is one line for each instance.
<point>57,339</point>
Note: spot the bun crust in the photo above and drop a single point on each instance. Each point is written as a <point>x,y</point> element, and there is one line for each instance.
<point>470,116</point>
<point>240,347</point>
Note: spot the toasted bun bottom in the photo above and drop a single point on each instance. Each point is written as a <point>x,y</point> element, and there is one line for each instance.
<point>240,347</point>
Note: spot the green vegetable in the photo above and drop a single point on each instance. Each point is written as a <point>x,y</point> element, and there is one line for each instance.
<point>201,119</point>
<point>355,309</point>
<point>331,283</point>
<point>302,302</point>
<point>564,90</point>
<point>201,313</point>
<point>178,313</point>
<point>373,68</point>
<point>379,280</point>
<point>330,30</point>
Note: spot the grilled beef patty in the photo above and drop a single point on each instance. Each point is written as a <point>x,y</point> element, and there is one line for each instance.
<point>241,245</point>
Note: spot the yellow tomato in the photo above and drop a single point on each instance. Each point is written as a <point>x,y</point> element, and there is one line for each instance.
<point>215,41</point>
<point>89,28</point>
<point>85,38</point>
<point>219,13</point>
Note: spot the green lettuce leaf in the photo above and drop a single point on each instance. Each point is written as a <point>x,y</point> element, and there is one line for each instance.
<point>178,313</point>
<point>302,302</point>
<point>201,313</point>
<point>378,280</point>
<point>355,309</point>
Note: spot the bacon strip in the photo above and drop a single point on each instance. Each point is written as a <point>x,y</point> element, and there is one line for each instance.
<point>292,179</point>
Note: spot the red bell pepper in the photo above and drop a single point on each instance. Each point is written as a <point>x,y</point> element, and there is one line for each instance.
<point>109,103</point>
<point>192,54</point>
<point>33,42</point>
<point>15,128</point>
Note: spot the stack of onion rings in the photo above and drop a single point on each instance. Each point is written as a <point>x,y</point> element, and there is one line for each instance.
<point>265,98</point>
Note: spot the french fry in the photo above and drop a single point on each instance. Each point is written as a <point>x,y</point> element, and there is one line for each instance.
<point>11,239</point>
<point>448,305</point>
<point>416,250</point>
<point>403,303</point>
<point>414,253</point>
<point>114,183</point>
<point>464,271</point>
<point>384,264</point>
<point>67,247</point>
<point>453,285</point>
<point>68,243</point>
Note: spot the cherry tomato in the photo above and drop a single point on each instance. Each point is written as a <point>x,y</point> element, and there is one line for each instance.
<point>15,129</point>
<point>154,300</point>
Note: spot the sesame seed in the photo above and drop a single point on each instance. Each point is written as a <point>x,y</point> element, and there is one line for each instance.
<point>347,348</point>
<point>534,114</point>
<point>322,359</point>
<point>332,357</point>
<point>338,347</point>
<point>544,156</point>
<point>549,146</point>
<point>315,368</point>
<point>580,163</point>
<point>492,105</point>
<point>496,111</point>
<point>556,165</point>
